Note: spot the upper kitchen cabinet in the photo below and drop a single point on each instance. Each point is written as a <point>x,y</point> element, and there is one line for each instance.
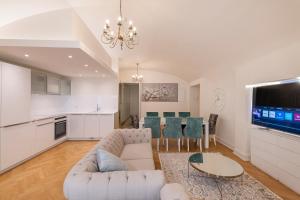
<point>65,87</point>
<point>53,85</point>
<point>38,82</point>
<point>15,94</point>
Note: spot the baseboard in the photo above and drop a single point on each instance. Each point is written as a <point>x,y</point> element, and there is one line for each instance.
<point>220,140</point>
<point>242,155</point>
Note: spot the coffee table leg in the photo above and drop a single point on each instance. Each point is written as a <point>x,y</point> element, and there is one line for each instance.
<point>219,188</point>
<point>188,169</point>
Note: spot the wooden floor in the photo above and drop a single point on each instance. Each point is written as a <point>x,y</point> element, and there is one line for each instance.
<point>41,178</point>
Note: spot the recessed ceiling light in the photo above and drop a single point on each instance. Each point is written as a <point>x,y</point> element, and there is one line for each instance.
<point>86,65</point>
<point>96,71</point>
<point>26,55</point>
<point>70,56</point>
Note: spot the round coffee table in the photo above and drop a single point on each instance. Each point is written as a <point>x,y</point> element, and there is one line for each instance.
<point>215,166</point>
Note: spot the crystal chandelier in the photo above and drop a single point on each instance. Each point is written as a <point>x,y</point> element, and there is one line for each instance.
<point>125,34</point>
<point>137,77</point>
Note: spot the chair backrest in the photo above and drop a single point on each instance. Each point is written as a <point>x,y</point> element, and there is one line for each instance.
<point>184,114</point>
<point>152,114</point>
<point>194,127</point>
<point>212,121</point>
<point>154,124</point>
<point>173,127</point>
<point>169,114</point>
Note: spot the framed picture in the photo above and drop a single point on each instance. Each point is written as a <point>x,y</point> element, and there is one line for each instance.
<point>160,92</point>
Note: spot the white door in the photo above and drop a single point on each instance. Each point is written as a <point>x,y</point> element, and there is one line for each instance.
<point>17,144</point>
<point>16,94</point>
<point>106,124</point>
<point>91,126</point>
<point>76,126</point>
<point>44,134</point>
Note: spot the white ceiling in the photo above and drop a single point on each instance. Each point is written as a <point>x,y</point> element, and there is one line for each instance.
<point>55,60</point>
<point>189,37</point>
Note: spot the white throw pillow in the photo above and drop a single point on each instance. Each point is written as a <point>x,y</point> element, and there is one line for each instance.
<point>108,162</point>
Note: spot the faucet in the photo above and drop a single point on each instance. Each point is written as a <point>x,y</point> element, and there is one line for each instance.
<point>98,108</point>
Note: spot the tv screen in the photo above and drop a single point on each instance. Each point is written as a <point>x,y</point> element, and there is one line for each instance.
<point>277,107</point>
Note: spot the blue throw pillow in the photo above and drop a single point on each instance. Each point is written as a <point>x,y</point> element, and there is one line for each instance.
<point>108,162</point>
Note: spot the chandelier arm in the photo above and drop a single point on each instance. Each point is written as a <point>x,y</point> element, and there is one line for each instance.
<point>121,8</point>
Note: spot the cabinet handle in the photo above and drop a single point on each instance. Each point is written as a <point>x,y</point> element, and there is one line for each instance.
<point>15,124</point>
<point>45,124</point>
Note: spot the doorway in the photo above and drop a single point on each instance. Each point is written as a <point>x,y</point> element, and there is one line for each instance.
<point>129,106</point>
<point>195,100</point>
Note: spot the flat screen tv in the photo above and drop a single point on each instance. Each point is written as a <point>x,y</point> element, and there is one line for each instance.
<point>277,107</point>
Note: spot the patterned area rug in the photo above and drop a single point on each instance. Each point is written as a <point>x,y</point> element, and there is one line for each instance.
<point>199,186</point>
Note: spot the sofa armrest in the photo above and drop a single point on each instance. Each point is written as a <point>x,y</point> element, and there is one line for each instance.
<point>142,184</point>
<point>173,191</point>
<point>133,136</point>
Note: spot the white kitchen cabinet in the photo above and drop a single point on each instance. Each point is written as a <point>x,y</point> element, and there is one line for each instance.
<point>106,124</point>
<point>53,85</point>
<point>16,94</point>
<point>38,82</point>
<point>16,143</point>
<point>65,87</point>
<point>76,126</point>
<point>44,132</point>
<point>91,126</point>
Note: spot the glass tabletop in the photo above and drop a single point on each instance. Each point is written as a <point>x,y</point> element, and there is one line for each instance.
<point>218,165</point>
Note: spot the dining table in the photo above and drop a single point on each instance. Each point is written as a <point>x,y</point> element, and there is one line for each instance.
<point>183,122</point>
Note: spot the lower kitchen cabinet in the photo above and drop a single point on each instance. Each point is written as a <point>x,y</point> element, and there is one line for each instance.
<point>17,144</point>
<point>106,124</point>
<point>76,126</point>
<point>90,126</point>
<point>44,134</point>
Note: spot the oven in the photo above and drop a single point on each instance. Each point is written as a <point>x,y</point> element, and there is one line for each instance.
<point>60,127</point>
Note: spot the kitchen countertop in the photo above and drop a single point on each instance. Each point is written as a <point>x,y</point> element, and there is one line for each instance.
<point>52,115</point>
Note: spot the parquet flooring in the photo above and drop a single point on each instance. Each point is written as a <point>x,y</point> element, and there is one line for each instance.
<point>42,177</point>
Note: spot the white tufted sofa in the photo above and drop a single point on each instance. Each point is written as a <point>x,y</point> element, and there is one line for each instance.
<point>140,182</point>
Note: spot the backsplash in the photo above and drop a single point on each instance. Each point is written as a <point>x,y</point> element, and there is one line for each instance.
<point>49,104</point>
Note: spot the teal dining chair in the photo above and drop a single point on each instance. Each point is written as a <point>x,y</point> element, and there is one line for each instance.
<point>194,130</point>
<point>154,124</point>
<point>172,130</point>
<point>152,114</point>
<point>169,114</point>
<point>184,114</point>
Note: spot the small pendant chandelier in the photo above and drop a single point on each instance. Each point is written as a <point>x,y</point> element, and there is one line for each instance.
<point>137,77</point>
<point>125,34</point>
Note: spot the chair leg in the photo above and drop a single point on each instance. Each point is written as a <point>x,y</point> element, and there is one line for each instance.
<point>200,142</point>
<point>167,144</point>
<point>179,144</point>
<point>215,140</point>
<point>157,144</point>
<point>188,144</point>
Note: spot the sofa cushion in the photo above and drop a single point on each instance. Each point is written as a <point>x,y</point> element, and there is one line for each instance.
<point>112,143</point>
<point>137,151</point>
<point>140,164</point>
<point>173,191</point>
<point>108,162</point>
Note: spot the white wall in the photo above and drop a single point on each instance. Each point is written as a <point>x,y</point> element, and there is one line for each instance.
<point>235,129</point>
<point>221,80</point>
<point>86,94</point>
<point>159,77</point>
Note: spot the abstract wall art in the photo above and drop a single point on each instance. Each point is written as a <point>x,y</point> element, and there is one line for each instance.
<point>160,92</point>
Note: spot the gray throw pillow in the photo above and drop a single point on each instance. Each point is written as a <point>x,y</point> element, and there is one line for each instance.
<point>108,162</point>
